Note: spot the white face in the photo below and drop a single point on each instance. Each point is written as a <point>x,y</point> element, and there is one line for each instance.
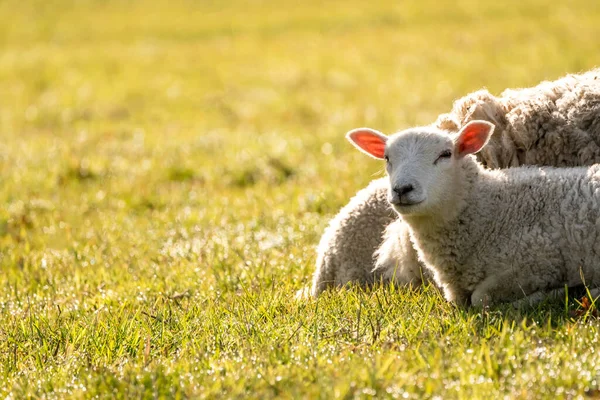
<point>420,164</point>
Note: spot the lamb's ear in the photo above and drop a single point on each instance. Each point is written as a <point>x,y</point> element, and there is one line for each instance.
<point>369,141</point>
<point>472,137</point>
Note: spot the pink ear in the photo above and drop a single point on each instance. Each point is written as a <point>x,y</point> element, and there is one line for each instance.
<point>369,141</point>
<point>472,137</point>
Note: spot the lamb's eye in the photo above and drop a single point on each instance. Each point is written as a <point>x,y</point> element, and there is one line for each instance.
<point>443,155</point>
<point>387,159</point>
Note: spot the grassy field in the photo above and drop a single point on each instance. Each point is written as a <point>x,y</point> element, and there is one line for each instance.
<point>167,169</point>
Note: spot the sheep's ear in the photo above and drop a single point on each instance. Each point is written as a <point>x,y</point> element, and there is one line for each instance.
<point>472,137</point>
<point>369,141</point>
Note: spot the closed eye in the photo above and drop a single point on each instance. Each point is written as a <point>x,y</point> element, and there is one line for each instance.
<point>443,156</point>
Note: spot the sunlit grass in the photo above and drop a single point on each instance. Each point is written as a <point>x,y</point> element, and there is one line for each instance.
<point>167,169</point>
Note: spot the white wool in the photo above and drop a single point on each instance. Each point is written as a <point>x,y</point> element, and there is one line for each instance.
<point>490,236</point>
<point>556,123</point>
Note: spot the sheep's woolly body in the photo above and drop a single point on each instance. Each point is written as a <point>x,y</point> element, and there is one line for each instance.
<point>516,232</point>
<point>556,123</point>
<point>342,244</point>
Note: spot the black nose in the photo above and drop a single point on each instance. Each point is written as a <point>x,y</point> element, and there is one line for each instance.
<point>402,190</point>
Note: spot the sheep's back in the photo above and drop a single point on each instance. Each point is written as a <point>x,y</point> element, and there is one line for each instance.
<point>556,123</point>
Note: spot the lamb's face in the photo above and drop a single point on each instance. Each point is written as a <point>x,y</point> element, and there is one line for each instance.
<point>420,164</point>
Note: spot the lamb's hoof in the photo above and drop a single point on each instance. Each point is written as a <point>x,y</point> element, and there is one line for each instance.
<point>480,300</point>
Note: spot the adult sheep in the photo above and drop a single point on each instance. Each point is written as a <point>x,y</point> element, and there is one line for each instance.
<point>489,236</point>
<point>555,123</point>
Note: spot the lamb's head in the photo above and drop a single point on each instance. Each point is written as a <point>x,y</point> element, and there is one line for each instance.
<point>423,164</point>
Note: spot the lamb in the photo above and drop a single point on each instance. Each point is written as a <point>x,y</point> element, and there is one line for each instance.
<point>489,236</point>
<point>556,123</point>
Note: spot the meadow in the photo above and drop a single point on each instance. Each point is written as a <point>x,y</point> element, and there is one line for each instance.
<point>167,169</point>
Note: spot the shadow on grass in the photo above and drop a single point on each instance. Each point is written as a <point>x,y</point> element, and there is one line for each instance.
<point>410,315</point>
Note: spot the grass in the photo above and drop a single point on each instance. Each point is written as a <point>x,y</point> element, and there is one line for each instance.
<point>167,169</point>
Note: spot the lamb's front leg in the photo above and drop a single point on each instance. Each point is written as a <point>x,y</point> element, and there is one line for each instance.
<point>539,296</point>
<point>554,294</point>
<point>510,286</point>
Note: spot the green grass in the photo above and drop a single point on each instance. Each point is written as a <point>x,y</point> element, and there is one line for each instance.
<point>167,169</point>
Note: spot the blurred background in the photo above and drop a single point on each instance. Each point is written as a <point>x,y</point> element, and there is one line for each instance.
<point>229,117</point>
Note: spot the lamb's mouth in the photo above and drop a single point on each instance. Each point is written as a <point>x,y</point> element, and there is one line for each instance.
<point>406,206</point>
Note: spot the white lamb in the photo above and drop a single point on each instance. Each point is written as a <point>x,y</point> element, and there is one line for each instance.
<point>556,123</point>
<point>489,235</point>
